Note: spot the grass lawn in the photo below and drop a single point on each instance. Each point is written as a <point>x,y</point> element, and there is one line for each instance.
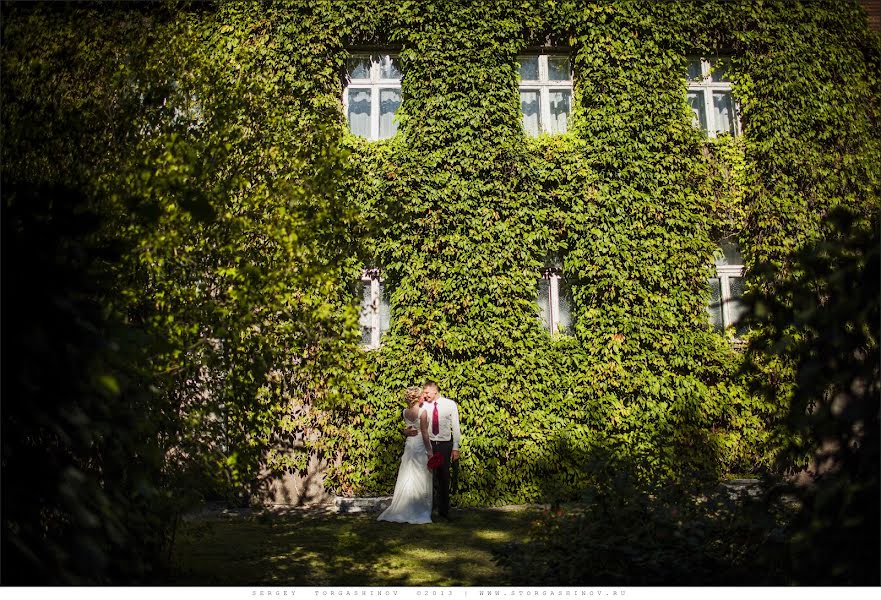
<point>319,549</point>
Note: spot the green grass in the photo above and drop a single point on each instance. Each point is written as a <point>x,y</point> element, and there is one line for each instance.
<point>296,548</point>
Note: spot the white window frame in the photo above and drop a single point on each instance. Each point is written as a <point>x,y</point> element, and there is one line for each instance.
<point>544,86</point>
<point>374,83</point>
<point>724,273</point>
<point>374,279</point>
<point>553,275</point>
<point>708,86</point>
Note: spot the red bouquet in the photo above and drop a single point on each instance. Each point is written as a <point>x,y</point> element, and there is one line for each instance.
<point>436,460</point>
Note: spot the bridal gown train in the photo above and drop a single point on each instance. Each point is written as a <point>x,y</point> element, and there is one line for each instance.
<point>411,502</point>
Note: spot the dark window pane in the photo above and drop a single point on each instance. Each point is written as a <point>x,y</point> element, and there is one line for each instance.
<point>719,70</point>
<point>358,67</point>
<point>715,307</point>
<point>389,67</point>
<point>558,68</point>
<point>735,306</point>
<point>544,304</point>
<point>385,313</point>
<point>367,311</point>
<point>565,320</point>
<point>694,69</point>
<point>728,253</point>
<point>528,68</point>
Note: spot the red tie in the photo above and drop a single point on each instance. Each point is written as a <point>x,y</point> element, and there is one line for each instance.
<point>435,423</point>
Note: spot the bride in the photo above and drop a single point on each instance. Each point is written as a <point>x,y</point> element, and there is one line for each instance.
<point>411,502</point>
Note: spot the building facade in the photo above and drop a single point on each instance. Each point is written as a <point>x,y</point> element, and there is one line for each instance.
<point>568,208</point>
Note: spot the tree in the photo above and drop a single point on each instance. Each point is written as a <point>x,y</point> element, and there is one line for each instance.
<point>173,238</point>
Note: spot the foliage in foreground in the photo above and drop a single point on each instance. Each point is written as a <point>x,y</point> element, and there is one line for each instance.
<point>831,333</point>
<point>172,238</point>
<point>624,533</point>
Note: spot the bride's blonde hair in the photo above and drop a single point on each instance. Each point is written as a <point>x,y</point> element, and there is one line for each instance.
<point>412,396</point>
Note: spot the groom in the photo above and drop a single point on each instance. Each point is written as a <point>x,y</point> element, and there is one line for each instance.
<point>443,431</point>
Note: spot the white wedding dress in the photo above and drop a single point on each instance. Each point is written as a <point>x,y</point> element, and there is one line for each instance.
<point>411,502</point>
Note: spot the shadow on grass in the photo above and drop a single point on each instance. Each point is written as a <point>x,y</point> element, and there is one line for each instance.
<point>329,549</point>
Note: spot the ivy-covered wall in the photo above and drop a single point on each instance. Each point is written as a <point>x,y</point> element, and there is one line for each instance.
<point>214,137</point>
<point>466,208</point>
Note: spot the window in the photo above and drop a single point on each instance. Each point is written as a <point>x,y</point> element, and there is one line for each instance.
<point>545,93</point>
<point>726,289</point>
<point>709,95</point>
<point>373,95</point>
<point>375,314</point>
<point>554,301</point>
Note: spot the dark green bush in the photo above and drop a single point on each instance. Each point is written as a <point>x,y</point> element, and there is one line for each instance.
<point>624,533</point>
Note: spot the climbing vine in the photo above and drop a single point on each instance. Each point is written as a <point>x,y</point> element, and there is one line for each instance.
<point>211,140</point>
<point>633,199</point>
